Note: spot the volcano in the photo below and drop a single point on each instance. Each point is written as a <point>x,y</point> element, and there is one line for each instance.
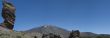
<point>46,29</point>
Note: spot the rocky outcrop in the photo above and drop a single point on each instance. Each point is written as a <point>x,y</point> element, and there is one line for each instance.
<point>8,14</point>
<point>74,34</point>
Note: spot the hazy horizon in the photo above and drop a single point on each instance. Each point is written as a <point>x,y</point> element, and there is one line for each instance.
<point>85,15</point>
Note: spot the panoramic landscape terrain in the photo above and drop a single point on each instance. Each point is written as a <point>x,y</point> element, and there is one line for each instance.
<point>46,29</point>
<point>54,18</point>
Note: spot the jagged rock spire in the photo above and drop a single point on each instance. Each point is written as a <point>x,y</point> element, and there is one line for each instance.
<point>8,14</point>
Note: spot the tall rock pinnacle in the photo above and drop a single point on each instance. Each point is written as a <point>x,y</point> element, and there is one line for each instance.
<point>8,14</point>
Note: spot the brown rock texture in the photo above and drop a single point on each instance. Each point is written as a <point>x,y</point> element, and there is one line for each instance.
<point>8,14</point>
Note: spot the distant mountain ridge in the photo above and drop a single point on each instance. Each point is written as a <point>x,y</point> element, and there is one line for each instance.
<point>57,30</point>
<point>46,29</point>
<point>87,34</point>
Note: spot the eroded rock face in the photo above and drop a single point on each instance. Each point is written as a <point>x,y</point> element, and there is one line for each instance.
<point>8,14</point>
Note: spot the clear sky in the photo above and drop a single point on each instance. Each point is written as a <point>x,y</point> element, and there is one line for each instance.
<point>85,15</point>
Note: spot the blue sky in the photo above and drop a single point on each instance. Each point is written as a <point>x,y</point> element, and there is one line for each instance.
<point>85,15</point>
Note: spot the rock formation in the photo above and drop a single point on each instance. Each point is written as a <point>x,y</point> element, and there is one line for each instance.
<point>8,14</point>
<point>74,34</point>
